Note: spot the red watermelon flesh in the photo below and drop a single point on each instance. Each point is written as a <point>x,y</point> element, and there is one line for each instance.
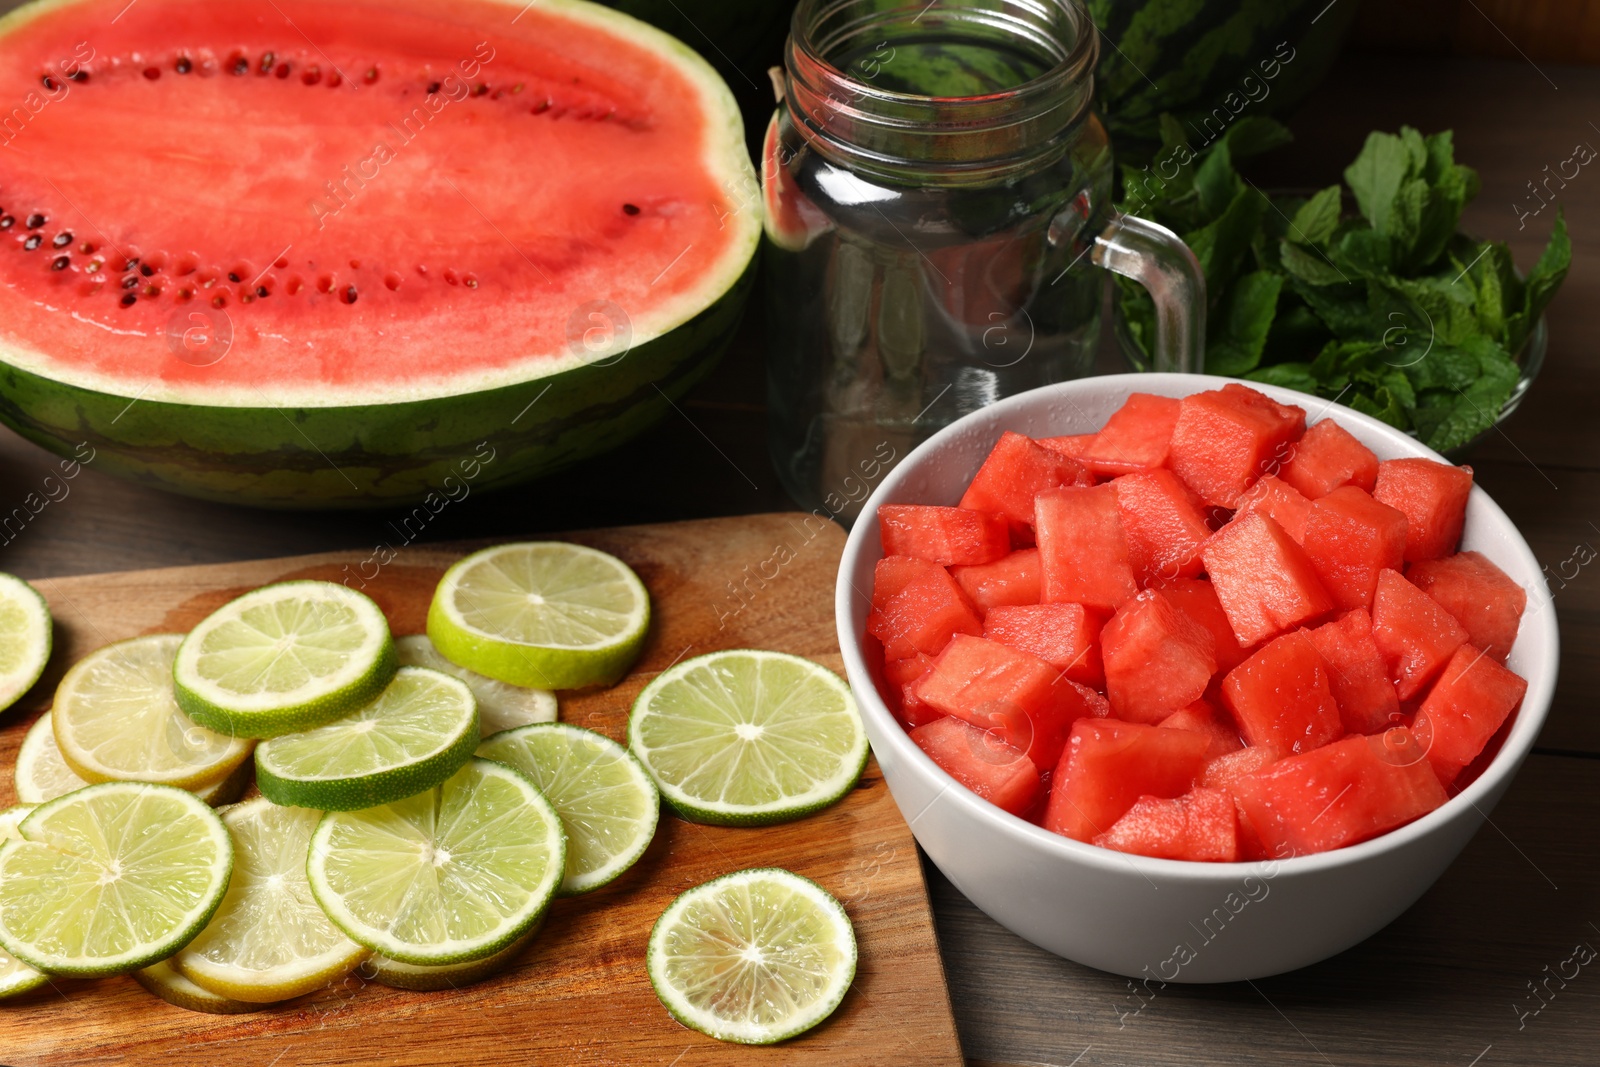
<point>1072,445</point>
<point>1011,579</point>
<point>1227,438</point>
<point>1263,579</point>
<point>923,616</point>
<point>1414,634</point>
<point>1135,437</point>
<point>1157,659</point>
<point>1337,795</point>
<point>1017,470</point>
<point>1198,599</point>
<point>1224,771</point>
<point>1357,673</point>
<point>1280,697</point>
<point>1327,457</point>
<point>385,202</point>
<point>1201,825</point>
<point>1066,636</point>
<point>1433,497</point>
<point>1479,595</point>
<point>1279,501</point>
<point>982,762</point>
<point>1163,524</point>
<point>1349,538</point>
<point>901,676</point>
<point>942,535</point>
<point>1083,549</point>
<point>891,574</point>
<point>1203,717</point>
<point>1471,700</point>
<point>1108,765</point>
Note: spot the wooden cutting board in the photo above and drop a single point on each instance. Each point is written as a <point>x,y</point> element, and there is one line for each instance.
<point>580,995</point>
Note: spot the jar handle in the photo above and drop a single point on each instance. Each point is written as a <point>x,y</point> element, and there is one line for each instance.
<point>1157,259</point>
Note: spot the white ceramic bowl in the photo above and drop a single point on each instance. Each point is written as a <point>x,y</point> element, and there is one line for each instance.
<point>1166,920</point>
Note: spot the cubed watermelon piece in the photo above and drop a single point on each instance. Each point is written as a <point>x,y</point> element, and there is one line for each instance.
<point>902,675</point>
<point>1083,550</point>
<point>1017,470</point>
<point>1198,599</point>
<point>1025,701</point>
<point>1327,457</point>
<point>1471,700</point>
<point>943,535</point>
<point>1011,579</point>
<point>1263,579</point>
<point>893,573</point>
<point>1280,697</point>
<point>1072,445</point>
<point>1336,795</point>
<point>923,616</point>
<point>982,762</point>
<point>1164,526</point>
<point>1157,659</point>
<point>1108,764</point>
<point>1349,538</point>
<point>1415,636</point>
<point>1066,636</point>
<point>1201,825</point>
<point>1135,437</point>
<point>1227,438</point>
<point>1224,771</point>
<point>1281,502</point>
<point>1433,497</point>
<point>1204,718</point>
<point>1357,673</point>
<point>1480,596</point>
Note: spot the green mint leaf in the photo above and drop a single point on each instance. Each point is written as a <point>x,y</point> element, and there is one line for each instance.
<point>1238,333</point>
<point>1342,308</point>
<point>1376,176</point>
<point>1551,270</point>
<point>1416,147</point>
<point>1317,218</point>
<point>1309,265</point>
<point>1447,307</point>
<point>1289,375</point>
<point>1222,245</point>
<point>1255,134</point>
<point>1405,216</point>
<point>1363,253</point>
<point>1450,423</point>
<point>1216,183</point>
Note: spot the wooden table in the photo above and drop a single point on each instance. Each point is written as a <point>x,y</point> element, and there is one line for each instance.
<point>1450,983</point>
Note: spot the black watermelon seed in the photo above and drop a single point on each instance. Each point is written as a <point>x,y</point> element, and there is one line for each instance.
<point>130,264</point>
<point>152,73</point>
<point>349,295</point>
<point>262,290</point>
<point>79,75</point>
<point>481,90</point>
<point>267,60</point>
<point>8,221</point>
<point>33,242</point>
<point>630,209</point>
<point>151,290</point>
<point>233,277</point>
<point>130,281</point>
<point>147,270</point>
<point>128,300</point>
<point>434,87</point>
<point>219,301</point>
<point>183,66</point>
<point>60,263</point>
<point>48,82</point>
<point>241,65</point>
<point>36,220</point>
<point>62,240</point>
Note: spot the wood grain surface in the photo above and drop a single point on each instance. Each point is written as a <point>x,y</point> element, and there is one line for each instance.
<point>580,994</point>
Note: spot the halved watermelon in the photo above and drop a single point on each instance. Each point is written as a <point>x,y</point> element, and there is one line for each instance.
<point>299,253</point>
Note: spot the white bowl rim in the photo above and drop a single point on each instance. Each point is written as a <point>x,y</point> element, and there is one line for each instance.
<point>1530,717</point>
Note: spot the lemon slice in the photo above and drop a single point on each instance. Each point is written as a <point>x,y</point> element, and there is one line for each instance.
<point>111,878</point>
<point>164,981</point>
<point>753,957</point>
<point>501,705</point>
<point>24,638</point>
<point>283,658</point>
<point>547,614</point>
<point>455,874</point>
<point>745,738</point>
<point>42,774</point>
<point>269,941</point>
<point>418,732</point>
<point>608,804</point>
<point>116,719</point>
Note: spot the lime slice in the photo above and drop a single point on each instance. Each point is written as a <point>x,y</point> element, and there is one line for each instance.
<point>164,981</point>
<point>547,614</point>
<point>397,975</point>
<point>269,941</point>
<point>608,804</point>
<point>111,878</point>
<point>116,719</point>
<point>15,976</point>
<point>745,738</point>
<point>455,874</point>
<point>419,731</point>
<point>501,705</point>
<point>285,657</point>
<point>754,957</point>
<point>42,774</point>
<point>24,638</point>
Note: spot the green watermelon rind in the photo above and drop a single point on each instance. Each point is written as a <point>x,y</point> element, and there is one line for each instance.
<point>238,445</point>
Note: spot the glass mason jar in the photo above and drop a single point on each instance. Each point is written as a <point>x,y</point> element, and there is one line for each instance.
<point>938,205</point>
